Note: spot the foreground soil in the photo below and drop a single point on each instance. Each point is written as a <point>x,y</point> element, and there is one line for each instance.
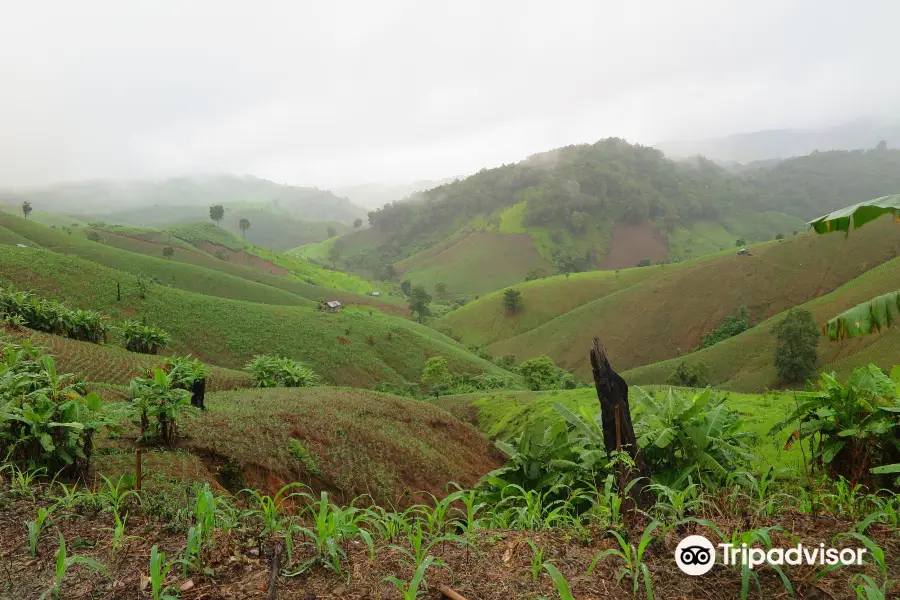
<point>499,569</point>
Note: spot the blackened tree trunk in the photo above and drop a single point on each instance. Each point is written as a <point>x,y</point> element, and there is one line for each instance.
<point>198,393</point>
<point>618,429</point>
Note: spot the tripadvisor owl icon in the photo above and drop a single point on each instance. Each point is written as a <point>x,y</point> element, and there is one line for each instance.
<point>695,555</point>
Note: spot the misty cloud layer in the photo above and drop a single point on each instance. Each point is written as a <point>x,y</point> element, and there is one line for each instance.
<point>345,92</point>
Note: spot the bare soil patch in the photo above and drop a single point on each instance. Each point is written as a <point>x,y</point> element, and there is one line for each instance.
<point>632,243</point>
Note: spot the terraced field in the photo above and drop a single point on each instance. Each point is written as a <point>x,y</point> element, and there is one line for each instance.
<point>745,362</point>
<point>665,314</point>
<point>359,347</point>
<point>477,263</point>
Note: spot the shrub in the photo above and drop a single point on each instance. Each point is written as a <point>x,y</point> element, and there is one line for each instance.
<point>740,242</point>
<point>94,236</point>
<point>779,236</point>
<point>512,299</point>
<point>684,375</point>
<point>795,356</point>
<point>644,262</point>
<point>683,435</point>
<point>25,309</point>
<point>159,404</point>
<point>542,374</point>
<point>275,371</point>
<point>730,327</point>
<point>143,338</point>
<point>46,419</point>
<point>857,424</point>
<point>436,377</point>
<point>168,252</point>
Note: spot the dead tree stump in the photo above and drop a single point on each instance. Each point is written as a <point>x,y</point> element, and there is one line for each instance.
<point>618,429</point>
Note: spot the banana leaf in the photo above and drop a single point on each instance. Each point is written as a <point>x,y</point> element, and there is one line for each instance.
<point>858,214</point>
<point>869,317</point>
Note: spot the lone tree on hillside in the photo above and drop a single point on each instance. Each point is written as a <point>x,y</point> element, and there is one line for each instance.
<point>331,231</point>
<point>168,252</point>
<point>695,375</point>
<point>440,289</point>
<point>26,208</point>
<point>357,223</point>
<point>405,286</point>
<point>795,355</point>
<point>244,225</point>
<point>217,213</point>
<point>512,299</point>
<point>436,377</point>
<point>740,242</point>
<point>334,254</point>
<point>540,373</point>
<point>419,299</point>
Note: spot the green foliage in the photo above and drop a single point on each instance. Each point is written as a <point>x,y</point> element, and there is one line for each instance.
<point>94,236</point>
<point>410,590</point>
<point>277,371</point>
<point>795,356</point>
<point>644,262</point>
<point>168,252</point>
<point>852,428</point>
<point>26,208</point>
<point>694,375</point>
<point>46,419</point>
<point>357,223</point>
<point>184,371</point>
<point>512,299</point>
<point>440,289</point>
<point>730,327</point>
<point>144,339</point>
<point>159,570</point>
<point>24,308</point>
<point>159,405</point>
<point>419,299</point>
<point>740,242</point>
<point>244,225</point>
<point>681,435</point>
<point>436,376</point>
<point>869,317</point>
<point>633,556</point>
<point>535,274</point>
<point>64,563</point>
<point>216,213</point>
<point>542,374</point>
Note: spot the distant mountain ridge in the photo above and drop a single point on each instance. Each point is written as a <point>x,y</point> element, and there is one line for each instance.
<point>786,143</point>
<point>101,198</point>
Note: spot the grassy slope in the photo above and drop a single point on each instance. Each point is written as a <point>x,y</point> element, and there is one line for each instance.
<point>349,348</point>
<point>504,415</point>
<point>109,364</point>
<point>352,289</point>
<point>745,362</point>
<point>168,272</point>
<point>122,248</point>
<point>477,263</point>
<point>486,321</point>
<point>667,314</point>
<point>707,237</point>
<point>358,441</point>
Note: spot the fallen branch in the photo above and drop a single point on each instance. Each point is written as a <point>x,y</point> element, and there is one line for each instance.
<point>449,593</point>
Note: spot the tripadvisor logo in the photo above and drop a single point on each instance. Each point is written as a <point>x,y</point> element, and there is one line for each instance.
<point>696,555</point>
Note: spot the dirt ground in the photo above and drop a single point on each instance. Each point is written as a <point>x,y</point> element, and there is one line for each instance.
<point>631,243</point>
<point>241,257</point>
<point>498,569</point>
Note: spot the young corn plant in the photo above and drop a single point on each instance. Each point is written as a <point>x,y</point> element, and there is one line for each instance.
<point>159,570</point>
<point>562,586</point>
<point>761,536</point>
<point>419,549</point>
<point>467,520</point>
<point>118,530</point>
<point>537,560</point>
<point>865,586</point>
<point>37,526</point>
<point>112,496</point>
<point>24,481</point>
<point>268,508</point>
<point>63,563</point>
<point>332,525</point>
<point>633,557</point>
<point>411,590</point>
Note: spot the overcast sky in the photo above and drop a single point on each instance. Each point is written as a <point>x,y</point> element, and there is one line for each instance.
<point>330,93</point>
